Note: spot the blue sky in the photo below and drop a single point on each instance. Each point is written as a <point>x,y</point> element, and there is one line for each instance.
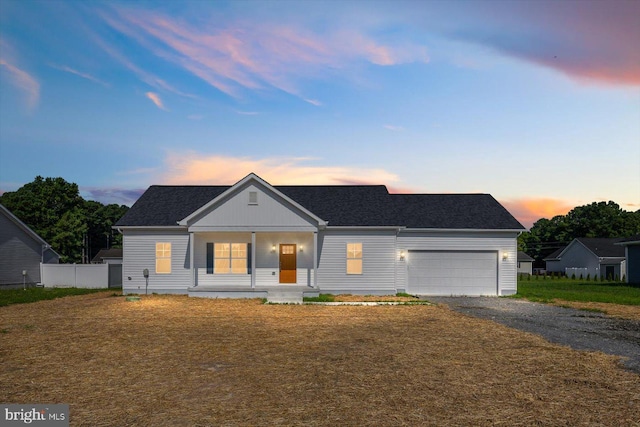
<point>536,103</point>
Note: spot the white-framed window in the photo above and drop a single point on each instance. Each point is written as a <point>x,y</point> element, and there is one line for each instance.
<point>230,258</point>
<point>163,258</point>
<point>354,258</point>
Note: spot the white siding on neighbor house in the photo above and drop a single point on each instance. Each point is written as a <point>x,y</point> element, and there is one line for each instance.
<point>237,214</point>
<point>378,260</point>
<point>139,252</point>
<point>499,242</point>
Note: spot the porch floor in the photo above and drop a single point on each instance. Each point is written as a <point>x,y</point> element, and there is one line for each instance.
<point>290,294</point>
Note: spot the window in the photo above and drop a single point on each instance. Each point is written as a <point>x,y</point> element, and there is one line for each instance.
<point>354,258</point>
<point>230,258</point>
<point>163,258</point>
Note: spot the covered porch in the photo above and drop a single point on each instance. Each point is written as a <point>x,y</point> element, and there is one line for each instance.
<point>253,264</point>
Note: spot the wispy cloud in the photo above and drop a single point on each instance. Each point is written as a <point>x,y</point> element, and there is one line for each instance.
<point>155,98</point>
<point>110,195</point>
<point>394,128</point>
<point>313,102</point>
<point>147,77</point>
<point>22,80</point>
<point>232,56</point>
<point>80,74</point>
<point>194,168</point>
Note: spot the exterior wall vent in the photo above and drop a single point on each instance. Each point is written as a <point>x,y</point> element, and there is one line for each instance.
<point>253,197</point>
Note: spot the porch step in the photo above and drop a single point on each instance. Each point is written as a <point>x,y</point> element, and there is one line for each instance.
<point>284,297</point>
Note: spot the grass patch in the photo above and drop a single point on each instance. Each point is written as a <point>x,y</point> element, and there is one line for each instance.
<point>320,298</point>
<point>404,294</point>
<point>577,290</point>
<point>23,296</point>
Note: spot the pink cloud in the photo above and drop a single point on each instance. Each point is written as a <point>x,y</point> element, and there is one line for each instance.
<point>589,41</point>
<point>155,98</point>
<point>255,55</point>
<point>24,81</point>
<point>530,210</point>
<point>192,168</point>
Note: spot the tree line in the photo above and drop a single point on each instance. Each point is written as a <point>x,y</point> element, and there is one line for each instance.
<point>598,219</point>
<point>74,227</point>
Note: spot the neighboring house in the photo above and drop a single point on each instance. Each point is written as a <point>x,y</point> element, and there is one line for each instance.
<point>21,251</point>
<point>525,263</point>
<point>108,256</point>
<point>631,247</point>
<point>589,256</point>
<point>250,238</point>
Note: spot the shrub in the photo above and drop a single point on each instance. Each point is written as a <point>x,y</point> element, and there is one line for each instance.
<point>573,276</point>
<point>588,277</point>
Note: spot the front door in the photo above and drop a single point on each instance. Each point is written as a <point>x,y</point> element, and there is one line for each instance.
<point>288,263</point>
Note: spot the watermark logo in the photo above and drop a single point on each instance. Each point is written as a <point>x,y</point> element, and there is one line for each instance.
<point>34,415</point>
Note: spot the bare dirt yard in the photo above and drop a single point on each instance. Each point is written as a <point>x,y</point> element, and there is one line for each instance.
<point>179,361</point>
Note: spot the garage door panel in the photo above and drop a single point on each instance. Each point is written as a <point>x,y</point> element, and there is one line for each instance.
<point>452,273</point>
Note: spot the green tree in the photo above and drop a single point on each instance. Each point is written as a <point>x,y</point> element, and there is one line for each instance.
<point>70,233</point>
<point>53,208</point>
<point>100,220</point>
<point>42,203</point>
<point>598,219</point>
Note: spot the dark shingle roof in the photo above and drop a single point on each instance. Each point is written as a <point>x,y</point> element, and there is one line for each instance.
<point>348,205</point>
<point>603,247</point>
<point>524,257</point>
<point>107,253</point>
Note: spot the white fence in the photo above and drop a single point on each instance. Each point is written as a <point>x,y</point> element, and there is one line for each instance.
<point>579,272</point>
<point>75,275</point>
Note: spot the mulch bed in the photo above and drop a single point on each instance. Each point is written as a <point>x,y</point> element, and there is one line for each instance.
<point>179,361</point>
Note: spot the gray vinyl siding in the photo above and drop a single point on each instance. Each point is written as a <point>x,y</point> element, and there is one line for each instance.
<point>139,252</point>
<point>19,251</point>
<point>499,242</point>
<point>378,259</point>
<point>268,213</point>
<point>576,256</point>
<point>633,264</point>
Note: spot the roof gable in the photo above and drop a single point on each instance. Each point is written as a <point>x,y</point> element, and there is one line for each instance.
<point>270,209</point>
<point>25,228</point>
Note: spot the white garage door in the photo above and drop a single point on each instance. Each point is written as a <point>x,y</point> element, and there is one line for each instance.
<point>453,273</point>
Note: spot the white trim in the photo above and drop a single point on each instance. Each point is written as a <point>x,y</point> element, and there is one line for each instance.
<point>461,230</point>
<point>247,228</point>
<point>149,227</point>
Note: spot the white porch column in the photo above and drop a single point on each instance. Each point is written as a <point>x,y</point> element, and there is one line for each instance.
<point>192,246</point>
<point>253,259</point>
<point>315,259</point>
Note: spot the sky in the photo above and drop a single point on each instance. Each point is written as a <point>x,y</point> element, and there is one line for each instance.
<point>534,102</point>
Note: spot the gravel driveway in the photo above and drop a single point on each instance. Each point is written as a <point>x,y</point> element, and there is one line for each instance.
<point>579,329</point>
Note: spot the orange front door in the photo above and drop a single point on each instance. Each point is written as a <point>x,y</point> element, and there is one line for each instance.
<point>287,263</point>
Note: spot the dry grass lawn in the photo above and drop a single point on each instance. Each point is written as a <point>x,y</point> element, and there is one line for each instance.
<point>616,310</point>
<point>178,361</point>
